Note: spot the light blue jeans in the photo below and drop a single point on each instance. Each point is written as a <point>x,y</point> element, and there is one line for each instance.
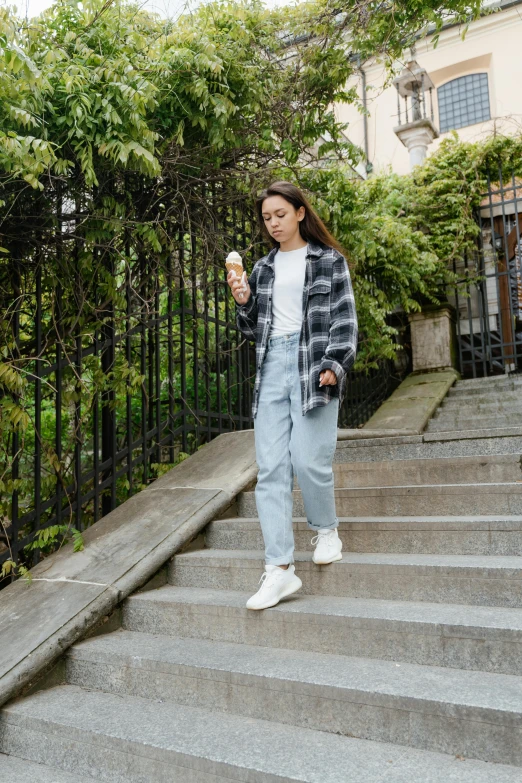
<point>286,443</point>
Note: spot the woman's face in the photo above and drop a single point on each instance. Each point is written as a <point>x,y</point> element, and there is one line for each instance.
<point>281,218</point>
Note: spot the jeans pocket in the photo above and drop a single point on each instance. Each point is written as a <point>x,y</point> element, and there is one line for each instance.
<point>269,355</point>
<point>269,360</point>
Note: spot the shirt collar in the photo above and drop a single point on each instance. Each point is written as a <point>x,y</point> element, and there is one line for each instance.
<point>313,250</point>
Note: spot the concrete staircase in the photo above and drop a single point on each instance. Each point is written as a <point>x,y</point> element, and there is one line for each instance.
<point>482,403</point>
<point>400,663</point>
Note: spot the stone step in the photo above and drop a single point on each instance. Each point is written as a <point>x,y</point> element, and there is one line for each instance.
<point>465,579</point>
<point>480,412</point>
<point>444,499</point>
<point>488,535</point>
<point>493,468</point>
<point>507,398</point>
<point>456,423</point>
<point>134,740</point>
<point>475,714</point>
<point>489,381</point>
<point>492,435</point>
<point>486,386</point>
<point>452,635</point>
<point>460,420</point>
<point>430,446</point>
<point>491,404</point>
<point>20,771</point>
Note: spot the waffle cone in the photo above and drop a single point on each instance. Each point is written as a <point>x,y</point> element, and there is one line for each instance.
<point>236,266</point>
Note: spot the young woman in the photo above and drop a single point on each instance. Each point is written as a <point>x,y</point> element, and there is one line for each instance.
<point>299,308</point>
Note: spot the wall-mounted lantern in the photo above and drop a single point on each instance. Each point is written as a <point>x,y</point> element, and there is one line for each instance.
<point>416,128</point>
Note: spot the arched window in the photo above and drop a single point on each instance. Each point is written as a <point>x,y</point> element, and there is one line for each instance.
<point>463,101</point>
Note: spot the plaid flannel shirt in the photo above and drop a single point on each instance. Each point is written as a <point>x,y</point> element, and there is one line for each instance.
<point>328,339</point>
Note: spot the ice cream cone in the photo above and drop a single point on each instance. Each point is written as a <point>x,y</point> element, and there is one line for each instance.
<point>234,262</point>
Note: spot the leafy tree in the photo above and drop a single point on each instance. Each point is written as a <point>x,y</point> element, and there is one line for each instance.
<point>394,264</point>
<point>127,142</point>
<point>403,234</point>
<point>388,27</point>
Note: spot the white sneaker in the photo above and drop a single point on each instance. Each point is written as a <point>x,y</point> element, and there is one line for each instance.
<point>276,583</point>
<point>329,546</point>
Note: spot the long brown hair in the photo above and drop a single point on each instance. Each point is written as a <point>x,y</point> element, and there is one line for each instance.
<point>311,227</point>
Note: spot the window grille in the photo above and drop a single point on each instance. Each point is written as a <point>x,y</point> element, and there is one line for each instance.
<point>463,101</point>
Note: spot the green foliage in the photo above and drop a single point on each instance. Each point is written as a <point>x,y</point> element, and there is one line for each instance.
<point>146,132</point>
<point>390,26</point>
<point>10,568</point>
<point>89,89</point>
<point>393,263</point>
<point>118,117</point>
<point>47,538</point>
<point>443,195</point>
<point>402,233</point>
<point>85,89</point>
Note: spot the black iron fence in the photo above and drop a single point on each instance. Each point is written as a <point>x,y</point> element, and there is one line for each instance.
<point>488,297</point>
<point>138,370</point>
<point>365,393</point>
<point>120,376</point>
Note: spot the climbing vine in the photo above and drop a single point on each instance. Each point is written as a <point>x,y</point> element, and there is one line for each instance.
<point>403,233</point>
<point>122,137</point>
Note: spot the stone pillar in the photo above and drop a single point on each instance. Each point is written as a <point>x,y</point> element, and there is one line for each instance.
<point>433,338</point>
<point>417,136</point>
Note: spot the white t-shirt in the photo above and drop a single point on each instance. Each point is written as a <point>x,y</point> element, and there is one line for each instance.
<point>287,292</point>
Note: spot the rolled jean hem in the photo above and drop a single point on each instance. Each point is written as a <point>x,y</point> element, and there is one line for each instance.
<point>322,527</point>
<point>279,561</point>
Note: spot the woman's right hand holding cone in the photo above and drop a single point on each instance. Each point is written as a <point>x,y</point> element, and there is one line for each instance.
<point>239,287</point>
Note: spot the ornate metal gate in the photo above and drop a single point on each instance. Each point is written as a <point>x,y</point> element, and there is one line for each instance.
<point>488,296</point>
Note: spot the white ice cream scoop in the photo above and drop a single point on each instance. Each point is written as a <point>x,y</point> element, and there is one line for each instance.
<point>234,258</point>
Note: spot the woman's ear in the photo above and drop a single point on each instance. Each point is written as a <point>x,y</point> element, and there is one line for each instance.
<point>301,213</point>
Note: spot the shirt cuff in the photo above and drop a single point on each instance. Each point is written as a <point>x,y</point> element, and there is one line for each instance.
<point>247,308</point>
<point>331,364</point>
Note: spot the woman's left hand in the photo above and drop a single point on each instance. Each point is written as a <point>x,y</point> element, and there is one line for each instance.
<point>327,378</point>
